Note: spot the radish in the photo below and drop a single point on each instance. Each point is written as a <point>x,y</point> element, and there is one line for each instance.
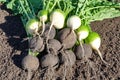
<point>32,27</point>
<point>82,33</point>
<point>54,44</point>
<point>36,44</point>
<point>31,63</point>
<point>49,60</point>
<point>57,19</point>
<point>94,40</point>
<point>74,22</point>
<point>43,16</point>
<point>50,63</point>
<point>67,37</point>
<point>87,54</point>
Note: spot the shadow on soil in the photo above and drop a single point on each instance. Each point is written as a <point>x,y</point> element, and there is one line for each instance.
<point>18,59</point>
<point>14,30</point>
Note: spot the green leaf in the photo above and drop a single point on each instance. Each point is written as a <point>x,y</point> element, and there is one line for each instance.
<point>99,10</point>
<point>105,13</point>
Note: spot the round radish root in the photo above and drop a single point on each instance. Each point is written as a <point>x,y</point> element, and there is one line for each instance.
<point>49,60</point>
<point>67,37</point>
<point>51,34</point>
<point>69,54</point>
<point>31,63</point>
<point>87,51</point>
<point>54,44</point>
<point>36,44</point>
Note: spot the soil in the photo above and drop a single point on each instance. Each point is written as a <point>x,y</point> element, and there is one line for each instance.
<point>12,51</point>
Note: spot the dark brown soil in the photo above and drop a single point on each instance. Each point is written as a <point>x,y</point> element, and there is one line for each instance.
<point>12,50</point>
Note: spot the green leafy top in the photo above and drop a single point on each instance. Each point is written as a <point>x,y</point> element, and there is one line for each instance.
<point>87,10</point>
<point>92,10</point>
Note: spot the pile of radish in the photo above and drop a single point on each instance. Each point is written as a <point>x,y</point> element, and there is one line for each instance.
<point>53,38</point>
<point>59,32</point>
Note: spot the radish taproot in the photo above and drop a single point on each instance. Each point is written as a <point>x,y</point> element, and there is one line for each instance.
<point>74,22</point>
<point>67,37</point>
<point>30,63</point>
<point>82,33</point>
<point>43,16</point>
<point>95,41</point>
<point>32,27</point>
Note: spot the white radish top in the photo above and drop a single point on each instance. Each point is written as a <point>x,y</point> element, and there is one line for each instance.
<point>43,18</point>
<point>57,19</point>
<point>82,35</point>
<point>33,28</point>
<point>96,43</point>
<point>74,22</point>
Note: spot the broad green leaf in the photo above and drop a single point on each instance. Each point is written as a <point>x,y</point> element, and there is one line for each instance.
<point>105,13</point>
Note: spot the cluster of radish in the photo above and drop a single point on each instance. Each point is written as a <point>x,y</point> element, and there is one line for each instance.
<point>53,35</point>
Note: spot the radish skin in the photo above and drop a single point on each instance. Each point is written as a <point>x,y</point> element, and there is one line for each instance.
<point>57,19</point>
